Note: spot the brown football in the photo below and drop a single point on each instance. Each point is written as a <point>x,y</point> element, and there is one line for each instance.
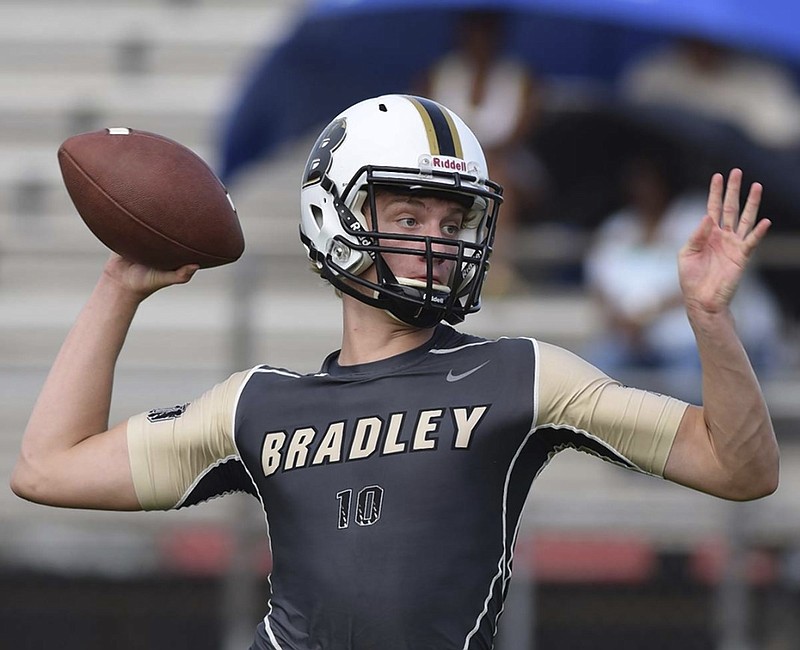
<point>150,199</point>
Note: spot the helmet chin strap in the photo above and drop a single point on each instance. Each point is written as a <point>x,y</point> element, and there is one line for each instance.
<point>410,313</point>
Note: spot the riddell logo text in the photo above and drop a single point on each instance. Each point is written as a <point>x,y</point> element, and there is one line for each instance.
<point>450,164</point>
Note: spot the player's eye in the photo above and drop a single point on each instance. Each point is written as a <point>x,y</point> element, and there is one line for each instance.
<point>407,222</point>
<point>451,229</point>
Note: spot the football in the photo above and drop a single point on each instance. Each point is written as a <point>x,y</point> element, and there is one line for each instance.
<point>150,199</point>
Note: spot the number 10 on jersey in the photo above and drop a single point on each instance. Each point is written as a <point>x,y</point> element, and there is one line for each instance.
<point>368,504</point>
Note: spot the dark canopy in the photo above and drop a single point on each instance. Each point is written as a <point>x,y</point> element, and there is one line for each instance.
<point>341,51</point>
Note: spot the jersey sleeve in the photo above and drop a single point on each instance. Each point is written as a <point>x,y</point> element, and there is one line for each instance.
<point>185,454</point>
<point>635,425</point>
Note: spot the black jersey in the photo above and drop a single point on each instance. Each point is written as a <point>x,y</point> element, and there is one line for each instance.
<point>392,491</point>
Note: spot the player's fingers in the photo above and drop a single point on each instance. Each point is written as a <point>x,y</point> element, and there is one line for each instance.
<point>714,206</point>
<point>730,205</point>
<point>157,279</point>
<point>184,273</point>
<point>698,238</point>
<point>750,212</point>
<point>755,236</point>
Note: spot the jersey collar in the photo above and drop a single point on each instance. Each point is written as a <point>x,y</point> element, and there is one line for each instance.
<point>331,366</point>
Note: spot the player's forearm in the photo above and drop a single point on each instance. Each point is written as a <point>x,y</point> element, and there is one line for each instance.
<point>75,400</point>
<point>735,412</point>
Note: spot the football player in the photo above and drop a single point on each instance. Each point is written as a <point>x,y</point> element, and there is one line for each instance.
<point>393,480</point>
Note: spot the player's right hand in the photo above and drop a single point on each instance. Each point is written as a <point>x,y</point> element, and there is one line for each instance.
<point>141,280</point>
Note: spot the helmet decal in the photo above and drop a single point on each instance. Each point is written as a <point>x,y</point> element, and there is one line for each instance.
<point>442,133</point>
<point>321,158</point>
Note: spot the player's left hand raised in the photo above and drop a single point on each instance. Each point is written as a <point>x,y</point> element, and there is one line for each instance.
<point>711,263</point>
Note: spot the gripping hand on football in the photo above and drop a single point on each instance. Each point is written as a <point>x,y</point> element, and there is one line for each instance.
<point>711,263</point>
<point>143,281</point>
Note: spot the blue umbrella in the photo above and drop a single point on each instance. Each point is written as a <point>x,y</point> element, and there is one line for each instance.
<point>341,51</point>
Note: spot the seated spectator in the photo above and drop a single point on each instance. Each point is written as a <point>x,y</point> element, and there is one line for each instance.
<point>757,96</point>
<point>498,97</point>
<point>631,271</point>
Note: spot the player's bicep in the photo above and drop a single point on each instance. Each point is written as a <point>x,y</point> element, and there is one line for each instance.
<point>94,474</point>
<point>172,449</point>
<point>633,424</point>
<point>691,461</point>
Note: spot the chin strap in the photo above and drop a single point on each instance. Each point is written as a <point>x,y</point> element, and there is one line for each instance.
<point>408,312</point>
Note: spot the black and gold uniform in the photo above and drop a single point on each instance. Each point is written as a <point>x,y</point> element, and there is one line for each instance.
<point>393,490</point>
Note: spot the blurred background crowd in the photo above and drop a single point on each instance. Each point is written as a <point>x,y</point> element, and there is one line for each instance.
<point>603,121</point>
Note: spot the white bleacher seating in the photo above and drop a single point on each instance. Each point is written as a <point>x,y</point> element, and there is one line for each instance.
<point>171,67</point>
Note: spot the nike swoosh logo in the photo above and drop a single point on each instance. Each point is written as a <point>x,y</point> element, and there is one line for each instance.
<point>452,377</point>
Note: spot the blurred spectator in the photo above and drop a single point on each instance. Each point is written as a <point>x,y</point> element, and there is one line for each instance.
<point>759,97</point>
<point>498,97</point>
<point>631,271</point>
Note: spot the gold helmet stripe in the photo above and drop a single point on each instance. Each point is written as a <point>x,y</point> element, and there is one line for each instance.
<point>442,134</point>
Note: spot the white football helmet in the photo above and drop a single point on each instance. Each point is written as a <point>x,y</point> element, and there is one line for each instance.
<point>410,144</point>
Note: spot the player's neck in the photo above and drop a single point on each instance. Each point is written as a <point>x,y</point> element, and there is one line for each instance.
<point>370,334</point>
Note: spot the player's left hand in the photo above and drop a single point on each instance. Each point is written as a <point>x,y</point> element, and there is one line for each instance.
<point>711,263</point>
